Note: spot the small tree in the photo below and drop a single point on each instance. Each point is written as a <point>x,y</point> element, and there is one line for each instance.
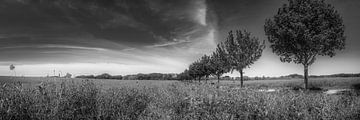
<point>205,67</point>
<point>184,75</point>
<point>68,75</point>
<point>242,51</point>
<point>219,62</point>
<point>195,71</point>
<point>201,68</point>
<point>303,29</point>
<point>12,68</point>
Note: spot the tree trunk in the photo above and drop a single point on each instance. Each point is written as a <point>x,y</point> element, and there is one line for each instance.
<point>206,78</point>
<point>199,79</point>
<point>218,78</point>
<point>306,77</point>
<point>241,78</point>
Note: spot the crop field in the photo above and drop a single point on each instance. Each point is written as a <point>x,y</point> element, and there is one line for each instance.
<point>60,98</point>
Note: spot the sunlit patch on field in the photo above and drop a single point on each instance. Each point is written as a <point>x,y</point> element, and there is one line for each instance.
<point>338,91</point>
<point>267,90</point>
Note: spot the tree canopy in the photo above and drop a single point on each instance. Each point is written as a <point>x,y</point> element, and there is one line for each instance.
<point>219,62</point>
<point>195,70</point>
<point>242,50</point>
<point>303,29</point>
<point>12,67</point>
<point>200,68</point>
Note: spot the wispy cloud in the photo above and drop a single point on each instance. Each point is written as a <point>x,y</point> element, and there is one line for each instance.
<point>55,46</point>
<point>167,44</point>
<point>73,47</point>
<point>200,12</point>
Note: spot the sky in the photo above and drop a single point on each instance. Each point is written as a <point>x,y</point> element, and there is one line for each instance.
<point>145,36</point>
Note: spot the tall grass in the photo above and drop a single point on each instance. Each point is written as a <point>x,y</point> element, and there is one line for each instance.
<point>86,100</point>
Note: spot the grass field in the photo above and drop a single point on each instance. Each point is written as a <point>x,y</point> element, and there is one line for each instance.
<point>60,98</point>
<point>325,83</point>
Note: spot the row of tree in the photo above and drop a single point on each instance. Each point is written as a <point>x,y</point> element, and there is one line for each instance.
<point>300,31</point>
<point>239,51</point>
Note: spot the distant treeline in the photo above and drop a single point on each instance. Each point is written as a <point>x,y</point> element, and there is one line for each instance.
<point>336,75</point>
<point>152,76</point>
<point>311,76</point>
<point>173,76</point>
<point>140,76</point>
<point>102,76</point>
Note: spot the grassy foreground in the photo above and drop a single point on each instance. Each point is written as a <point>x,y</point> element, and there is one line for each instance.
<point>85,99</point>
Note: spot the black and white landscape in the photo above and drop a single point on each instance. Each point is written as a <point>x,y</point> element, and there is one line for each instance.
<point>179,59</point>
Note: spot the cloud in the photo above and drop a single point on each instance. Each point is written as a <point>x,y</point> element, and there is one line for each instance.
<point>175,42</point>
<point>55,46</point>
<point>129,22</point>
<point>200,12</point>
<point>126,32</point>
<point>73,47</point>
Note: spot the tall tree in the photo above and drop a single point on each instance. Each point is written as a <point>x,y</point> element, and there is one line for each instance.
<point>242,51</point>
<point>303,29</point>
<point>219,62</point>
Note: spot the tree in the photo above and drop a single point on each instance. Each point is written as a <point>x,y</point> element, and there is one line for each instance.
<point>242,51</point>
<point>200,68</point>
<point>103,76</point>
<point>184,75</point>
<point>195,71</point>
<point>205,67</point>
<point>303,29</point>
<point>12,68</point>
<point>68,75</point>
<point>219,62</point>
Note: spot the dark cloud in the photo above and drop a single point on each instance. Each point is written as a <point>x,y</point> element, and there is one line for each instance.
<point>132,22</point>
<point>39,30</point>
<point>241,14</point>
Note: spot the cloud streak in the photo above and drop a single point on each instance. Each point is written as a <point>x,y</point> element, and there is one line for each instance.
<point>55,47</point>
